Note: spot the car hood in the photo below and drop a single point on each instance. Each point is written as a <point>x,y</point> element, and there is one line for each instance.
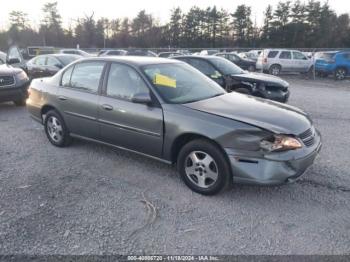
<point>273,116</point>
<point>9,70</point>
<point>261,78</point>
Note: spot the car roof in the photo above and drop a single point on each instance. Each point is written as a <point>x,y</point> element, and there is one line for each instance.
<point>133,60</point>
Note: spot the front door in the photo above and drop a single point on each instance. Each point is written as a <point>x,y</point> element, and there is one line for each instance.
<point>78,98</point>
<point>127,124</point>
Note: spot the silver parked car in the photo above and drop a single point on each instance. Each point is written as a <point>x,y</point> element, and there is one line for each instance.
<point>275,61</point>
<point>168,110</point>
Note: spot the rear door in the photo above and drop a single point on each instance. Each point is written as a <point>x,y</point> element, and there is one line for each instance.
<point>78,97</point>
<point>127,124</point>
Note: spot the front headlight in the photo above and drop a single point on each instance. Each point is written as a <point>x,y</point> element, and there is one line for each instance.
<point>22,76</point>
<point>280,143</point>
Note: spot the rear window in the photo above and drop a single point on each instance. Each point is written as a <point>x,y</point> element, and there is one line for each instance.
<point>272,54</point>
<point>326,56</point>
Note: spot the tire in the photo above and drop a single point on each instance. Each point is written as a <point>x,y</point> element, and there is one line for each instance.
<point>21,102</point>
<point>251,68</point>
<point>203,167</point>
<point>340,73</point>
<point>56,130</point>
<point>275,70</point>
<point>242,90</point>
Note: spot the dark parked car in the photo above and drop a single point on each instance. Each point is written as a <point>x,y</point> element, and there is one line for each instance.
<point>13,85</point>
<point>48,65</point>
<point>244,63</point>
<point>169,111</point>
<point>233,78</point>
<point>333,63</point>
<point>168,54</point>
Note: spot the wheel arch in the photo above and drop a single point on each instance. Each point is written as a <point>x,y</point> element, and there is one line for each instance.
<point>183,139</point>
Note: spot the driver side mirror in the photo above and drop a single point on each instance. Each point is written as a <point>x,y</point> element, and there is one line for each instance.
<point>59,66</point>
<point>12,61</point>
<point>142,98</point>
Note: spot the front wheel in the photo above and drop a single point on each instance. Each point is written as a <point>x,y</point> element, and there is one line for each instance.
<point>56,130</point>
<point>203,167</point>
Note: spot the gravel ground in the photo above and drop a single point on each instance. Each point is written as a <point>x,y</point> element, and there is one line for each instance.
<point>91,199</point>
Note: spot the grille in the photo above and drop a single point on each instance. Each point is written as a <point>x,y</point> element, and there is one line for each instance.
<point>7,81</point>
<point>308,137</point>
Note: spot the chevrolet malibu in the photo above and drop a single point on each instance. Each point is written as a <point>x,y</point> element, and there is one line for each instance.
<point>167,110</point>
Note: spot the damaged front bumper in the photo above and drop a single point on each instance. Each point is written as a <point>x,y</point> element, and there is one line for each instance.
<point>272,168</point>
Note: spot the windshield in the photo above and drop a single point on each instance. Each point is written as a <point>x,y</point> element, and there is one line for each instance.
<point>179,83</point>
<point>226,67</point>
<point>68,59</point>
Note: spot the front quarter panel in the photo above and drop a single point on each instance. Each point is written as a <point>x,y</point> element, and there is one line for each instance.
<point>180,120</point>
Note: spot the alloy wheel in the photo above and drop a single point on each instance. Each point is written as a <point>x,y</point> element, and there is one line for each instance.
<point>340,74</point>
<point>201,169</point>
<point>54,129</point>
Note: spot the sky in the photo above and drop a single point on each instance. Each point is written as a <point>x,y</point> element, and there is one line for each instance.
<point>72,9</point>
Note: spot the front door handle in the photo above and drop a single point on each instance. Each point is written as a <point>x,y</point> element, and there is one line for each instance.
<point>107,107</point>
<point>63,98</point>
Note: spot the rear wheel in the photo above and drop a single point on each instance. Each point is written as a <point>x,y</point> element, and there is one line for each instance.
<point>340,73</point>
<point>203,167</point>
<point>56,130</point>
<point>275,70</point>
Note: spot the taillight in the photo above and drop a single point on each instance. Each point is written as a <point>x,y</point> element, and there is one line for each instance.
<point>265,60</point>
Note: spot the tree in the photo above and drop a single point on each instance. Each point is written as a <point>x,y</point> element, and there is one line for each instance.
<point>175,27</point>
<point>242,24</point>
<point>51,25</point>
<point>18,20</point>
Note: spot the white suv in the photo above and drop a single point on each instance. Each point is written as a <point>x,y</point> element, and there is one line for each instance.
<point>275,61</point>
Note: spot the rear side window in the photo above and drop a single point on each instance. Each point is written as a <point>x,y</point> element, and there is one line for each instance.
<point>86,76</point>
<point>285,55</point>
<point>272,54</point>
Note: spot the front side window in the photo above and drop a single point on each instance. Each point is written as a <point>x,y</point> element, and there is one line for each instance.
<point>299,56</point>
<point>86,76</point>
<point>233,58</point>
<point>179,83</point>
<point>202,66</point>
<point>40,61</point>
<point>124,82</point>
<point>226,67</point>
<point>51,61</point>
<point>285,55</point>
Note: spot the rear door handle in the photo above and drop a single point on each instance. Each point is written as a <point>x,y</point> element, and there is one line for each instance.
<point>107,107</point>
<point>63,98</point>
